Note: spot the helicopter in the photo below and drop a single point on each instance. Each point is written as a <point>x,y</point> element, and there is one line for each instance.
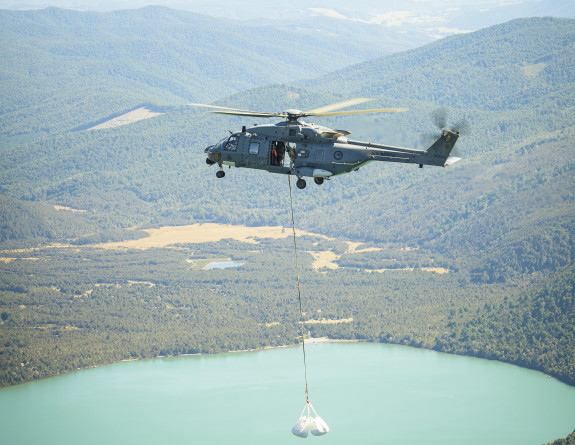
<point>307,150</point>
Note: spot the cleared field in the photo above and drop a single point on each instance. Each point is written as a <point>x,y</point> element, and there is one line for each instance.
<point>328,321</point>
<point>211,232</point>
<point>204,233</point>
<point>324,259</point>
<point>128,118</point>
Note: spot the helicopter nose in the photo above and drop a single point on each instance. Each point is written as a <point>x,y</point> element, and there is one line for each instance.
<point>214,155</point>
<point>209,159</point>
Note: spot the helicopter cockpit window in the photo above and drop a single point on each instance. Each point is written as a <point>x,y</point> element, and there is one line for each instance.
<point>231,144</point>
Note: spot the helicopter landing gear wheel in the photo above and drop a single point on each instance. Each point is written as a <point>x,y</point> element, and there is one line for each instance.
<point>300,183</point>
<point>220,174</point>
<point>318,181</point>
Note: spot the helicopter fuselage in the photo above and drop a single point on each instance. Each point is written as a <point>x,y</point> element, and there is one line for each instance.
<point>303,149</point>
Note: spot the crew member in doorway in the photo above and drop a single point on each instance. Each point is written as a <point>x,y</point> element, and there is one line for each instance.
<point>278,154</point>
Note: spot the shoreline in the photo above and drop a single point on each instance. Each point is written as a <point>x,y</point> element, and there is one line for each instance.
<point>313,340</point>
<point>310,340</point>
<point>319,340</point>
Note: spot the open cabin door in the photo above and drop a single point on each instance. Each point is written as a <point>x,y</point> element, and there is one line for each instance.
<point>277,154</point>
<point>279,160</point>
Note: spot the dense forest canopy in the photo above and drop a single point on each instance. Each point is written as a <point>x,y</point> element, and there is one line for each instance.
<point>475,259</point>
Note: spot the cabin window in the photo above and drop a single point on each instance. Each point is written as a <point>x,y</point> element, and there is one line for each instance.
<point>254,148</point>
<point>292,132</point>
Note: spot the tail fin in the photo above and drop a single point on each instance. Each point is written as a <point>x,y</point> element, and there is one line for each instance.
<point>441,149</point>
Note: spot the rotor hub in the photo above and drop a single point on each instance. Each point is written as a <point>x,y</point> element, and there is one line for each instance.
<point>294,115</point>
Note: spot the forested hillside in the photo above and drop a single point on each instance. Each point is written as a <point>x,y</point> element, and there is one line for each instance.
<point>38,223</point>
<point>514,66</point>
<point>64,69</point>
<point>510,203</point>
<point>500,222</point>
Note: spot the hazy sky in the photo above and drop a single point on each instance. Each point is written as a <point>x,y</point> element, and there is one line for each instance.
<point>444,16</point>
<point>267,7</point>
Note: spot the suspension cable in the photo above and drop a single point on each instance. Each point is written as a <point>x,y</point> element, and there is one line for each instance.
<point>298,289</point>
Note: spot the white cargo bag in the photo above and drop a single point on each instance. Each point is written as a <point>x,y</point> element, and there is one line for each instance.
<point>301,427</point>
<point>319,427</point>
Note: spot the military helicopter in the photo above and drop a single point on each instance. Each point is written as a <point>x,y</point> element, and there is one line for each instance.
<point>295,147</point>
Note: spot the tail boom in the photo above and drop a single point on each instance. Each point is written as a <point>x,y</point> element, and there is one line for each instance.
<point>439,154</point>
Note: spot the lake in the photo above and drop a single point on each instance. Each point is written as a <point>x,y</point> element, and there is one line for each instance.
<point>367,393</point>
<point>222,265</point>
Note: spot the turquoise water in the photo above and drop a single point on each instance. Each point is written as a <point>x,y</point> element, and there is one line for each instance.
<point>367,393</point>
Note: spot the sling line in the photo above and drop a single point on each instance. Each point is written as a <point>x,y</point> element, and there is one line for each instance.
<point>298,290</point>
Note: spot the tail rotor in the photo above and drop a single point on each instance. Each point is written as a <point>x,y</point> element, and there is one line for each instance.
<point>440,119</point>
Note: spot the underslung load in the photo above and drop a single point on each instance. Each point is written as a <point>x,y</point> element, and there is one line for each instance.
<point>308,422</point>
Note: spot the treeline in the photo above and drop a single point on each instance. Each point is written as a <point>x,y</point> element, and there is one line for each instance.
<point>569,440</point>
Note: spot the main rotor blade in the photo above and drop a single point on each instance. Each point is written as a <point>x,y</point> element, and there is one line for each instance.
<point>338,105</point>
<point>249,113</point>
<point>225,110</point>
<point>344,113</point>
<point>320,112</point>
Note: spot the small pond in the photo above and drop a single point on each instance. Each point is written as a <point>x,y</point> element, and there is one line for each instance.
<point>222,265</point>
